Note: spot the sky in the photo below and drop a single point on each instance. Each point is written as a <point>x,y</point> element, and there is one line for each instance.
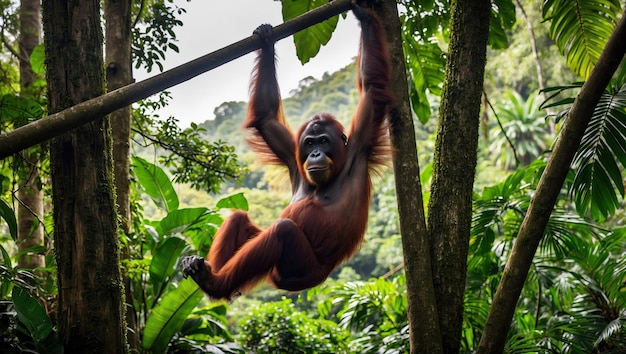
<point>211,25</point>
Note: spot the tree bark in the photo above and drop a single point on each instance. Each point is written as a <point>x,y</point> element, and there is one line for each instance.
<point>30,231</point>
<point>118,61</point>
<point>422,308</point>
<point>90,310</point>
<point>450,205</point>
<point>531,231</point>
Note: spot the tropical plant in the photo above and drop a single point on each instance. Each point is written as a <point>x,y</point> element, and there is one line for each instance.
<point>522,132</point>
<point>162,299</point>
<point>602,150</point>
<point>374,311</point>
<point>581,29</point>
<point>26,326</point>
<point>572,300</point>
<point>278,327</point>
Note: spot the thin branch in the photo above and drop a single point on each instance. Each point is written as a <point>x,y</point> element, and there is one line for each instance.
<point>136,21</point>
<point>32,212</point>
<point>533,45</point>
<point>393,270</point>
<point>517,160</point>
<point>58,123</point>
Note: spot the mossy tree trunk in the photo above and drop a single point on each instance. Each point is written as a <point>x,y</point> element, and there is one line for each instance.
<point>119,73</point>
<point>450,204</point>
<point>90,310</point>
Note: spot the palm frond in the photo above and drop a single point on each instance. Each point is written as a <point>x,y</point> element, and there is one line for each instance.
<point>598,175</point>
<point>581,29</point>
<point>611,328</point>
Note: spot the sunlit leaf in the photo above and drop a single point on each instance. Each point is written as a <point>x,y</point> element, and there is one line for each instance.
<point>235,201</point>
<point>156,184</point>
<point>581,29</point>
<point>37,60</point>
<point>178,220</point>
<point>309,41</point>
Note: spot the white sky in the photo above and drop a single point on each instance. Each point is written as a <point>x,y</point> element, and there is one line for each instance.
<point>211,25</point>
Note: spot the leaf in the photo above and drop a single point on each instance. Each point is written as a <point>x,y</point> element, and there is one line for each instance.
<point>156,183</point>
<point>202,231</point>
<point>611,328</point>
<point>38,60</point>
<point>597,162</point>
<point>581,29</point>
<point>309,41</point>
<point>502,18</point>
<point>235,201</point>
<point>9,216</point>
<point>19,110</point>
<point>31,314</point>
<point>177,220</point>
<point>165,258</point>
<point>426,63</point>
<point>169,315</point>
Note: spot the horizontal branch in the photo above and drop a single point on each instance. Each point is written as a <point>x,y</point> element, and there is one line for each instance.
<point>58,123</point>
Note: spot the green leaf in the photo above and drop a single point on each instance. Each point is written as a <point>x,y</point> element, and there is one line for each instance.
<point>9,216</point>
<point>426,63</point>
<point>38,60</point>
<point>177,220</point>
<point>19,110</point>
<point>597,162</point>
<point>202,231</point>
<point>235,201</point>
<point>309,41</point>
<point>169,315</point>
<point>165,258</point>
<point>502,18</point>
<point>581,29</point>
<point>31,314</point>
<point>156,183</point>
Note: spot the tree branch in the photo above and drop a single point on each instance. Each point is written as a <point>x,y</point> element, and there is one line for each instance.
<point>531,231</point>
<point>55,124</point>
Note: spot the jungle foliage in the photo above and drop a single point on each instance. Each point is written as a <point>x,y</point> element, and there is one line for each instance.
<point>573,300</point>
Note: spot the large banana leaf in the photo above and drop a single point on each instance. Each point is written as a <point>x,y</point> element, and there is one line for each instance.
<point>581,28</point>
<point>169,315</point>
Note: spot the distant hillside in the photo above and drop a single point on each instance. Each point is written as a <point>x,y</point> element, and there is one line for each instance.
<point>334,93</point>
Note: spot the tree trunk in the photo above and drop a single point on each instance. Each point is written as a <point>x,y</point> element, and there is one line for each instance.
<point>450,205</point>
<point>30,231</point>
<point>531,231</point>
<point>90,310</point>
<point>422,308</point>
<point>119,73</point>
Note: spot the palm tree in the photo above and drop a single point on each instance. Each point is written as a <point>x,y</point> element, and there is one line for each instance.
<point>522,133</point>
